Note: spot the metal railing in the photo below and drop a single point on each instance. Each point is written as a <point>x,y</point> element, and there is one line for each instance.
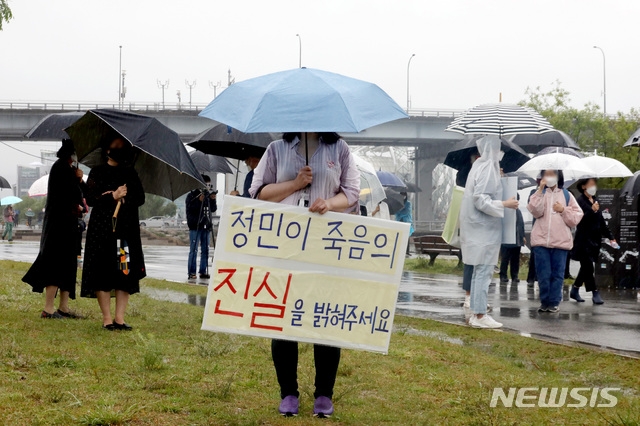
<point>429,225</point>
<point>83,106</point>
<point>439,112</point>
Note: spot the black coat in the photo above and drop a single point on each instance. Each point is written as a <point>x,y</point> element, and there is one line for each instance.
<point>196,217</point>
<point>57,262</point>
<point>589,232</point>
<point>101,271</point>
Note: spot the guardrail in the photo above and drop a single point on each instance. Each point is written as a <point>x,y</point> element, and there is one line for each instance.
<point>429,225</point>
<point>167,106</point>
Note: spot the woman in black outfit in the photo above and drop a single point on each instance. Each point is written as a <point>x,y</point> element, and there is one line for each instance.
<point>105,270</point>
<point>586,247</point>
<point>56,266</point>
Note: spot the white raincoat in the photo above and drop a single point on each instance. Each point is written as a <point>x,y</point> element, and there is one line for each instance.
<point>481,211</point>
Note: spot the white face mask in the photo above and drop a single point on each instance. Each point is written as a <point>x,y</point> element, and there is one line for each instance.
<point>209,187</point>
<point>551,181</point>
<point>592,190</point>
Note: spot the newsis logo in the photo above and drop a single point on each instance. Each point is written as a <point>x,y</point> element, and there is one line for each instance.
<point>554,397</point>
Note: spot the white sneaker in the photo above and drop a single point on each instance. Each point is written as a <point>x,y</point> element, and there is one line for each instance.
<point>485,322</point>
<point>467,302</point>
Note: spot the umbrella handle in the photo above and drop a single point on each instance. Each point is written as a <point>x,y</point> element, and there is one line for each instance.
<point>235,187</point>
<point>114,219</point>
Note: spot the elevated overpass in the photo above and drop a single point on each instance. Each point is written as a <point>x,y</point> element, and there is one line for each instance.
<point>424,130</point>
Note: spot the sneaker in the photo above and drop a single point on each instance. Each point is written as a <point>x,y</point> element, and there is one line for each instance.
<point>504,280</point>
<point>289,406</point>
<point>515,282</point>
<point>543,308</point>
<point>485,322</point>
<point>192,276</point>
<point>553,309</point>
<point>54,315</point>
<point>323,407</point>
<point>530,284</point>
<point>205,276</point>
<point>467,302</point>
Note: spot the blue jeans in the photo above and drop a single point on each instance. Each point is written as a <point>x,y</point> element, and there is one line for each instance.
<point>480,287</point>
<point>202,236</point>
<point>550,265</point>
<point>467,275</point>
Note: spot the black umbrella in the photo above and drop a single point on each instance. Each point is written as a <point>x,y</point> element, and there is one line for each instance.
<point>4,183</point>
<point>459,156</point>
<point>163,163</point>
<point>52,126</point>
<point>534,143</point>
<point>412,187</point>
<point>225,141</point>
<point>560,150</point>
<point>631,188</point>
<point>634,139</point>
<point>394,200</point>
<point>210,163</point>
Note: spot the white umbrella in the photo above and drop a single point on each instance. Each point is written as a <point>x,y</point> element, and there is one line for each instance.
<point>371,190</point>
<point>40,187</point>
<point>605,167</point>
<point>572,167</point>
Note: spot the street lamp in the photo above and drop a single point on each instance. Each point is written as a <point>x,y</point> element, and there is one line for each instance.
<point>408,94</point>
<point>604,79</point>
<point>300,51</point>
<point>119,81</point>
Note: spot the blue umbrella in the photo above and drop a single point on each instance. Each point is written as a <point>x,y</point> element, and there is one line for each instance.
<point>390,180</point>
<point>303,100</point>
<point>10,200</point>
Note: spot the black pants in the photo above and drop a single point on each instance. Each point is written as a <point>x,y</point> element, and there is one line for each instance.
<point>510,259</point>
<point>586,275</point>
<point>531,276</point>
<point>285,360</point>
<point>567,272</point>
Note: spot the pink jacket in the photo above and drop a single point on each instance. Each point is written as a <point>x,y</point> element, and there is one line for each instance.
<point>552,229</point>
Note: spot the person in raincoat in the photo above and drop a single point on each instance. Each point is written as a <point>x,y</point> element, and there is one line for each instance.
<point>405,214</point>
<point>481,216</point>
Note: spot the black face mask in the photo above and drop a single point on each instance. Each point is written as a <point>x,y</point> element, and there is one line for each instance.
<point>122,156</point>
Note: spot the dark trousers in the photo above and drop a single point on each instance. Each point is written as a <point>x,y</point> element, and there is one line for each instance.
<point>285,360</point>
<point>467,275</point>
<point>550,264</point>
<point>567,272</point>
<point>586,275</point>
<point>510,259</point>
<point>531,275</point>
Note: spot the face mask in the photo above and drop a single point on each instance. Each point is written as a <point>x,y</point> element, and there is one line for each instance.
<point>500,155</point>
<point>551,182</point>
<point>120,155</point>
<point>209,187</point>
<point>592,190</point>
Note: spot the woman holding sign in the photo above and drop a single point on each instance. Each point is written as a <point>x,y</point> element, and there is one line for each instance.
<point>113,261</point>
<point>320,174</point>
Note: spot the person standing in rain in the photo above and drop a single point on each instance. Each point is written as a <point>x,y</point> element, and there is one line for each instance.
<point>329,182</point>
<point>8,222</point>
<point>200,204</point>
<point>106,269</point>
<point>405,214</point>
<point>56,266</point>
<point>251,162</point>
<point>586,246</point>
<point>467,274</point>
<point>481,216</point>
<point>556,211</point>
<point>510,253</point>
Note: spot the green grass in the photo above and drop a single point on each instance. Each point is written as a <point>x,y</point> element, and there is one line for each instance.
<point>168,372</point>
<point>450,266</point>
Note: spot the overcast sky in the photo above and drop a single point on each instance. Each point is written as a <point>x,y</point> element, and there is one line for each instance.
<point>467,51</point>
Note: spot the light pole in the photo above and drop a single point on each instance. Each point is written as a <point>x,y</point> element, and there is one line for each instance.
<point>119,81</point>
<point>163,86</point>
<point>299,50</point>
<point>190,86</point>
<point>215,87</point>
<point>604,80</point>
<point>408,93</point>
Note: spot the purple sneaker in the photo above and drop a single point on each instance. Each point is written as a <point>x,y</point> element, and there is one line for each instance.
<point>323,407</point>
<point>289,406</point>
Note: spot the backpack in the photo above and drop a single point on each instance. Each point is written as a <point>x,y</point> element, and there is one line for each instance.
<point>567,197</point>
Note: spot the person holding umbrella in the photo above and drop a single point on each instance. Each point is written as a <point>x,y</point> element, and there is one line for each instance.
<point>113,259</point>
<point>331,181</point>
<point>251,162</point>
<point>586,246</point>
<point>405,214</point>
<point>556,211</point>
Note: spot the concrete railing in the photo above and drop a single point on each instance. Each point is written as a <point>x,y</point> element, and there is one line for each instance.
<point>83,106</point>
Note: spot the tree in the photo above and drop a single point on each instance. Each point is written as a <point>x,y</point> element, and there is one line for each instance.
<point>5,12</point>
<point>589,127</point>
<point>155,205</point>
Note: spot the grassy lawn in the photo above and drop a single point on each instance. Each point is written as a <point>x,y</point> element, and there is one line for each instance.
<point>450,267</point>
<point>168,372</point>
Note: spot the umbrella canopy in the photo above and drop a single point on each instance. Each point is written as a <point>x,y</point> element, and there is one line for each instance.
<point>40,187</point>
<point>605,167</point>
<point>391,180</point>
<point>631,187</point>
<point>554,138</point>
<point>524,181</point>
<point>303,100</point>
<point>10,200</point>
<point>634,139</point>
<point>572,167</point>
<point>52,126</point>
<point>394,200</point>
<point>226,141</point>
<point>460,155</point>
<point>501,120</point>
<point>412,187</point>
<point>4,183</point>
<point>560,150</point>
<point>163,164</point>
<point>210,163</point>
<point>371,190</point>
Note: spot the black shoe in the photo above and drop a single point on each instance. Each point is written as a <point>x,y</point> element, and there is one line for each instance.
<point>192,276</point>
<point>54,315</point>
<point>205,276</point>
<point>575,294</point>
<point>70,314</point>
<point>504,280</point>
<point>553,309</point>
<point>530,284</point>
<point>515,282</point>
<point>109,327</point>
<point>124,327</point>
<point>543,308</point>
<point>597,300</point>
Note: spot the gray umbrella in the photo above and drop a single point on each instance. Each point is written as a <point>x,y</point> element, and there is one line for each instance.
<point>4,183</point>
<point>534,143</point>
<point>210,163</point>
<point>634,140</point>
<point>51,127</point>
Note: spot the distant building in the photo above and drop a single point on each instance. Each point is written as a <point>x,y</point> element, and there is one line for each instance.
<point>26,177</point>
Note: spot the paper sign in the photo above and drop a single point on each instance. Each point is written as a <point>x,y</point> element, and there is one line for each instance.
<point>509,190</point>
<point>282,272</point>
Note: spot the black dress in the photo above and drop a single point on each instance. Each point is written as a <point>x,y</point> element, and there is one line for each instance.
<point>101,270</point>
<point>589,232</point>
<point>57,263</point>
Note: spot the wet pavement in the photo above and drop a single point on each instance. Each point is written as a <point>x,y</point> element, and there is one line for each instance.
<point>614,326</point>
